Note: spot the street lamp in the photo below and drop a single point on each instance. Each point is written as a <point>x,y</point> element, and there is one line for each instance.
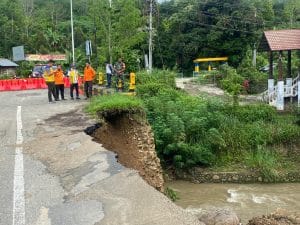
<point>109,32</point>
<point>150,35</point>
<point>72,31</point>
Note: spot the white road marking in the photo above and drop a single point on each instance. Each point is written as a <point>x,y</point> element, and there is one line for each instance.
<point>19,199</point>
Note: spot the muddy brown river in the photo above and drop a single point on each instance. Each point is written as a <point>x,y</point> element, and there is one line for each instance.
<point>247,200</point>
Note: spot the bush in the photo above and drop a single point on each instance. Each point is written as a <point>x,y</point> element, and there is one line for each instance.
<point>252,113</point>
<point>162,77</point>
<point>286,133</point>
<point>232,82</point>
<point>266,162</point>
<point>258,81</point>
<point>25,69</point>
<point>193,131</point>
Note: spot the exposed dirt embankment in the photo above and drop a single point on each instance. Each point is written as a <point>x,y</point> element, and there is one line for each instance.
<point>131,138</point>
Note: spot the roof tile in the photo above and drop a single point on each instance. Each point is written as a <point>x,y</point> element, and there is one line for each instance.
<point>279,40</point>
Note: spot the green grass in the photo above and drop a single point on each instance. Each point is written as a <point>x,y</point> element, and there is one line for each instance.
<point>116,102</point>
<point>267,162</point>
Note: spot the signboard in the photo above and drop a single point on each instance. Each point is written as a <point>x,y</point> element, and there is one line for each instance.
<point>88,47</point>
<point>37,57</point>
<point>18,53</point>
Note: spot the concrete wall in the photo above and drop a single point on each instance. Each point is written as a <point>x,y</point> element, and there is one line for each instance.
<point>199,175</point>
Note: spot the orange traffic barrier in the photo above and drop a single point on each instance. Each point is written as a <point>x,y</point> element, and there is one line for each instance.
<point>36,84</point>
<point>44,85</point>
<point>81,85</point>
<point>30,84</point>
<point>67,82</point>
<point>14,86</point>
<point>40,83</point>
<point>23,84</point>
<point>1,85</point>
<point>7,85</point>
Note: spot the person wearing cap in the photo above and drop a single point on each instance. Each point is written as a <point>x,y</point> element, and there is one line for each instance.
<point>59,82</point>
<point>49,79</point>
<point>74,75</point>
<point>88,77</point>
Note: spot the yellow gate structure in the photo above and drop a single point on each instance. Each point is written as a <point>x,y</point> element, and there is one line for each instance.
<point>209,60</point>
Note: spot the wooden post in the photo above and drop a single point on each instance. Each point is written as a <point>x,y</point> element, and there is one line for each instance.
<point>289,74</point>
<point>280,85</point>
<point>280,69</point>
<point>271,65</point>
<point>271,78</point>
<point>289,79</point>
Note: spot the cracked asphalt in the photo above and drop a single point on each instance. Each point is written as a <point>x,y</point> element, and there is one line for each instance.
<point>68,178</point>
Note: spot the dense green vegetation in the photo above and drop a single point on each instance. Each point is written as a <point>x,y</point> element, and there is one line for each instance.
<point>183,29</point>
<point>190,28</point>
<point>196,131</point>
<point>208,132</point>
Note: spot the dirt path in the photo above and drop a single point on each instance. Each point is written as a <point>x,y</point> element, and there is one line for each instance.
<point>191,86</point>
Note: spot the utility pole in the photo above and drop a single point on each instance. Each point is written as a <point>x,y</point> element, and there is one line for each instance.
<point>150,35</point>
<point>72,31</point>
<point>254,46</point>
<point>109,33</point>
<point>95,32</point>
<point>254,56</point>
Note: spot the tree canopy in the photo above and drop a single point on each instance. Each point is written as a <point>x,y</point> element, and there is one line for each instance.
<point>183,29</point>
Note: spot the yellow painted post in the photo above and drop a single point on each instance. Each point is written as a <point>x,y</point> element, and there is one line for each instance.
<point>101,78</point>
<point>209,67</point>
<point>197,67</point>
<point>119,83</point>
<point>132,81</point>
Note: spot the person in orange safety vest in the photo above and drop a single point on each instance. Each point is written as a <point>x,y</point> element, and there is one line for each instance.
<point>88,77</point>
<point>59,82</point>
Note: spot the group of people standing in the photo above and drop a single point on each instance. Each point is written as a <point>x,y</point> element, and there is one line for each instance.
<point>54,79</point>
<point>118,69</point>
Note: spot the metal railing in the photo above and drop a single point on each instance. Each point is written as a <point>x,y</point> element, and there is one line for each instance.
<point>289,91</point>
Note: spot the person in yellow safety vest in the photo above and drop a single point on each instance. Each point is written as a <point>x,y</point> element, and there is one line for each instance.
<point>59,82</point>
<point>74,76</point>
<point>88,77</point>
<point>49,79</point>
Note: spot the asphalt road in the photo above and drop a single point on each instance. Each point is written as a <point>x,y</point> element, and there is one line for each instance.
<point>51,173</point>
